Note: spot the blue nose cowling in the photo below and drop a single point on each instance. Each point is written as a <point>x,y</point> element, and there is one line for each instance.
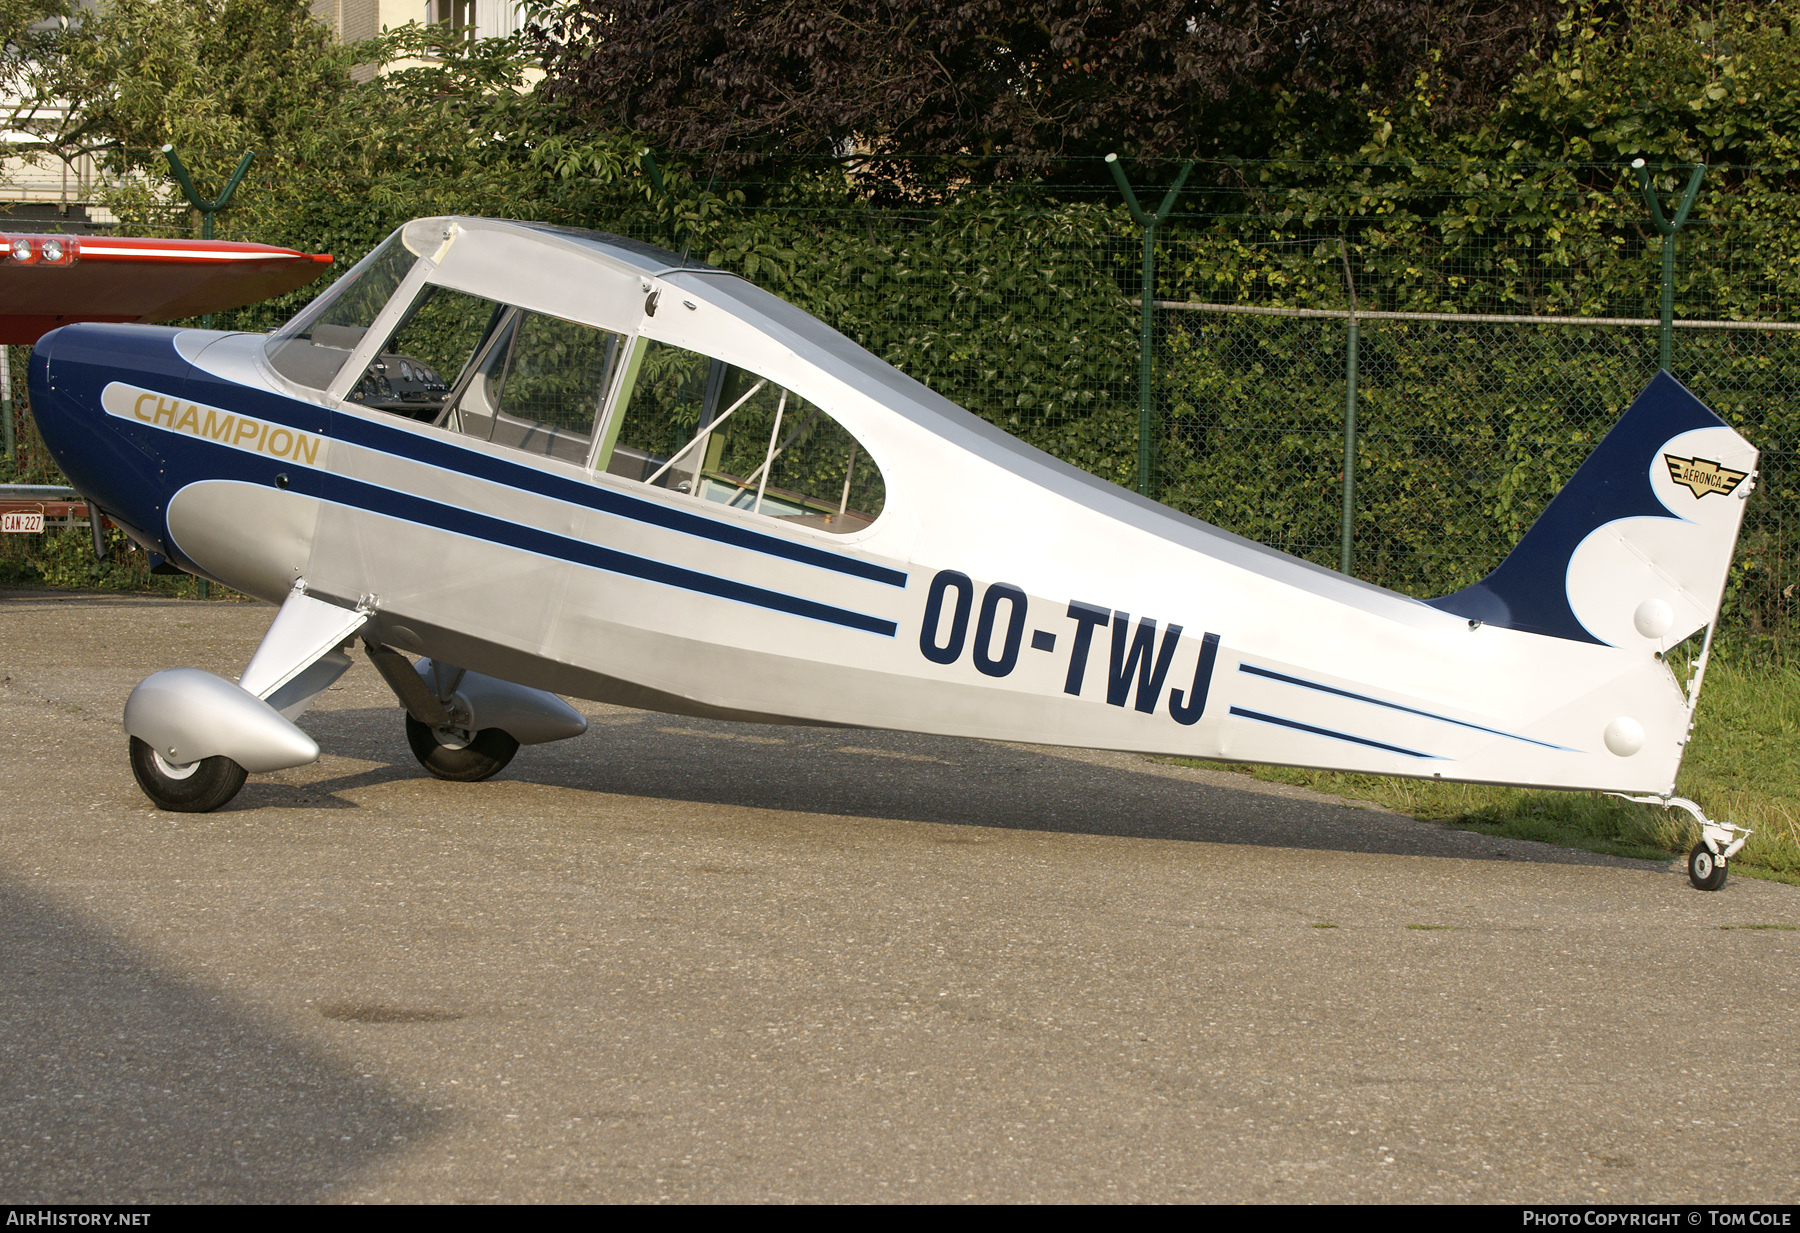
<point>113,462</point>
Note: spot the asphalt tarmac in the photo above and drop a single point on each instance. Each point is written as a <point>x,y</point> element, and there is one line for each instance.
<point>691,961</point>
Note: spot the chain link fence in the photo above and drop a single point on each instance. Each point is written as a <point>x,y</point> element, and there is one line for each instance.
<point>1462,424</point>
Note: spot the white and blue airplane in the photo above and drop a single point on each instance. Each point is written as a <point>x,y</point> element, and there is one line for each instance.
<point>549,461</point>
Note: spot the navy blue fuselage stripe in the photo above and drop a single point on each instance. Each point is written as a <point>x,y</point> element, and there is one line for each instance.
<point>233,464</point>
<point>1393,706</point>
<point>1336,736</point>
<point>354,430</point>
<point>430,513</point>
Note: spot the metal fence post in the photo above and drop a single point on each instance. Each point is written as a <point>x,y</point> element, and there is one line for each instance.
<point>6,399</point>
<point>1347,529</point>
<point>208,209</point>
<point>1667,229</point>
<point>1147,323</point>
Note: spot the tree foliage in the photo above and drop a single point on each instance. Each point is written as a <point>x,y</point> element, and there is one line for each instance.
<point>206,73</point>
<point>1022,80</point>
<point>28,33</point>
<point>1468,157</point>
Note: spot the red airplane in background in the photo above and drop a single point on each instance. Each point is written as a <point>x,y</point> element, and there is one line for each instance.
<point>48,281</point>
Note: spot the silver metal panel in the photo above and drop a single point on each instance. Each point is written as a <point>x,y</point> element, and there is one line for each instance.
<point>529,509</point>
<point>576,282</point>
<point>207,522</point>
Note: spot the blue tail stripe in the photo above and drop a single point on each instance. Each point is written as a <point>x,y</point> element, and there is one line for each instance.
<point>1393,706</point>
<point>1242,713</point>
<point>1529,591</point>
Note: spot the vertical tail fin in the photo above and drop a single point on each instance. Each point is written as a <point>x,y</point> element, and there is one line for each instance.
<point>1636,546</point>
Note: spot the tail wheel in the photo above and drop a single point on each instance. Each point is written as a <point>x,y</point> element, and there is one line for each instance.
<point>1706,870</point>
<point>457,755</point>
<point>193,787</point>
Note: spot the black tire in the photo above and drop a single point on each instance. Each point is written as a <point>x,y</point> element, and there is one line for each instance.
<point>487,754</point>
<point>199,787</point>
<point>1706,871</point>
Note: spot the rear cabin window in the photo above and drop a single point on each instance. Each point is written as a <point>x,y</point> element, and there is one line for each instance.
<point>722,434</point>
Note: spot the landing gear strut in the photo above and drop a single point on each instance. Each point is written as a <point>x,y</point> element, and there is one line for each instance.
<point>464,726</point>
<point>1719,841</point>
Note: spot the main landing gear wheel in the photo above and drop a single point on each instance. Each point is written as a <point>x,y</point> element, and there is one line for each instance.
<point>1705,869</point>
<point>196,787</point>
<point>457,756</point>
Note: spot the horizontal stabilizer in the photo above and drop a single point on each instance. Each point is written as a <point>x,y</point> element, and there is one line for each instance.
<point>1637,544</point>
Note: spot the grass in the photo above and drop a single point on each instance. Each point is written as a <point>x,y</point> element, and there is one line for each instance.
<point>1743,766</point>
<point>63,558</point>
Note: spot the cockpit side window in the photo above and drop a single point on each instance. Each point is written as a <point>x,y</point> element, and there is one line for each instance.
<point>310,349</point>
<point>722,434</point>
<point>412,373</point>
<point>536,383</point>
<point>495,372</point>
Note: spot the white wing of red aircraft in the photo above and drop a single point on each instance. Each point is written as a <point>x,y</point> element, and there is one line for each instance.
<point>51,280</point>
<point>553,460</point>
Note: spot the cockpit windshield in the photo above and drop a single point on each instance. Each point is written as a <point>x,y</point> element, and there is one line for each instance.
<point>311,349</point>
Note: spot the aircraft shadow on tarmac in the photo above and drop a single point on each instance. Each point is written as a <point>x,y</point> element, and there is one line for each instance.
<point>120,1083</point>
<point>899,776</point>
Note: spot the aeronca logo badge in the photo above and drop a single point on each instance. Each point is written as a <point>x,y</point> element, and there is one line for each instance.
<point>1701,475</point>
